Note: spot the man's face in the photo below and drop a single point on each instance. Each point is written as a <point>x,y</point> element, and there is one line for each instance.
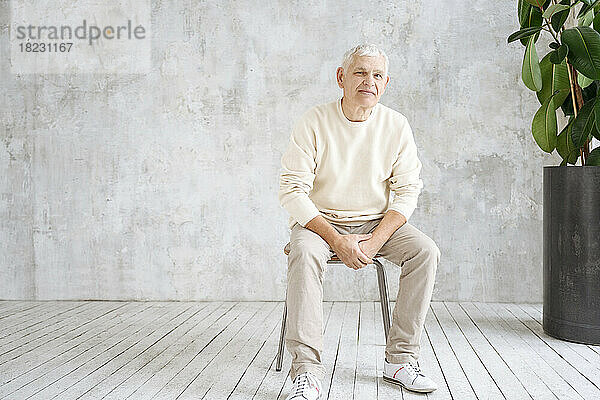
<point>364,82</point>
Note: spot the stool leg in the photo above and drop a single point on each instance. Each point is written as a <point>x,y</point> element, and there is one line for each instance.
<point>281,338</point>
<point>383,297</point>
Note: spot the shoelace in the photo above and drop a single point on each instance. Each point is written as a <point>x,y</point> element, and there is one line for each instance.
<point>301,383</point>
<point>414,369</point>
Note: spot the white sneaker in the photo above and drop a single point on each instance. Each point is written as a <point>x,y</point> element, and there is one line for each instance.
<point>306,386</point>
<point>409,376</point>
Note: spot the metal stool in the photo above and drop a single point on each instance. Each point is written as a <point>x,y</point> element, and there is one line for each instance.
<point>383,298</point>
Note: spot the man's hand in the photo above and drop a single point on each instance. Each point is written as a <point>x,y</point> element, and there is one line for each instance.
<point>370,247</point>
<point>349,252</point>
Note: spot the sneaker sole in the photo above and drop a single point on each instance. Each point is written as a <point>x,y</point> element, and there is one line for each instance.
<point>396,382</point>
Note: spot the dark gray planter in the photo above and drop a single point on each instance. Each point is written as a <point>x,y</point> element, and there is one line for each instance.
<point>572,253</point>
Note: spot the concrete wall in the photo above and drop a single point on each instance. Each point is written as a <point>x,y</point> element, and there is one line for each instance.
<point>164,186</point>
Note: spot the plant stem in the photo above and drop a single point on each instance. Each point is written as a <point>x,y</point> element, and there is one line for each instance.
<point>577,98</point>
<point>551,31</point>
<point>576,94</point>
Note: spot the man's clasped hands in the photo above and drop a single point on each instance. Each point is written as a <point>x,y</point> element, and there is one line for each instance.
<point>356,250</point>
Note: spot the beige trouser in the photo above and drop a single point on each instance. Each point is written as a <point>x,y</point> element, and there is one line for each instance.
<point>408,247</point>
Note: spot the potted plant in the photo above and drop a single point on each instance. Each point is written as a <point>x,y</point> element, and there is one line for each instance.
<point>567,78</point>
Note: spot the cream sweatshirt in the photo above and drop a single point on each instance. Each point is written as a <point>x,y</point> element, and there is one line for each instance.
<point>346,171</point>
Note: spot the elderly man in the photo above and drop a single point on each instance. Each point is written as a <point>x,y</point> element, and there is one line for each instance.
<point>343,159</point>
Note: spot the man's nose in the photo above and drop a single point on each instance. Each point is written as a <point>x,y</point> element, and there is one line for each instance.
<point>369,81</point>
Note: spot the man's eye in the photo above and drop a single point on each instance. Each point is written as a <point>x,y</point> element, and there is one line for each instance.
<point>378,75</point>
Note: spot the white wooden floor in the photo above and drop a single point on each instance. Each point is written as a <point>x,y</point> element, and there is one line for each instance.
<point>214,350</point>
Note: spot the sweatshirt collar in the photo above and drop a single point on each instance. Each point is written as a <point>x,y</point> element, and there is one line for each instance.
<point>356,124</point>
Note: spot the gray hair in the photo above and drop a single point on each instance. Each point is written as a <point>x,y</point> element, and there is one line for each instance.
<point>365,49</point>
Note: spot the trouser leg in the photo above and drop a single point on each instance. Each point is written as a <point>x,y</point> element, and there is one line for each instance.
<point>418,256</point>
<point>307,261</point>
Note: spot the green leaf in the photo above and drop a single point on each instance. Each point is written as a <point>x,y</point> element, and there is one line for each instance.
<point>595,131</point>
<point>593,157</point>
<point>559,54</point>
<point>532,77</point>
<point>584,50</point>
<point>554,77</point>
<point>523,33</point>
<point>583,80</point>
<point>537,3</point>
<point>597,22</point>
<point>567,106</point>
<point>584,9</point>
<point>553,9</point>
<point>597,116</point>
<point>587,18</point>
<point>589,3</point>
<point>564,145</point>
<point>523,10</point>
<point>589,93</point>
<point>583,124</point>
<point>543,126</point>
<point>558,19</point>
<point>534,18</point>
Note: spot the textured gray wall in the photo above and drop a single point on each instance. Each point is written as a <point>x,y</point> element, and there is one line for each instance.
<point>164,186</point>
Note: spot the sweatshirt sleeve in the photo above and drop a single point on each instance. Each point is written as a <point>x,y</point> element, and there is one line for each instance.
<point>405,181</point>
<point>298,173</point>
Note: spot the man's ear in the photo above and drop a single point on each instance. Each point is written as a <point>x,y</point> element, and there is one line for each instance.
<point>339,75</point>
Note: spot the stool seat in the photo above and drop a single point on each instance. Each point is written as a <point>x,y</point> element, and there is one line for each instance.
<point>334,257</point>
